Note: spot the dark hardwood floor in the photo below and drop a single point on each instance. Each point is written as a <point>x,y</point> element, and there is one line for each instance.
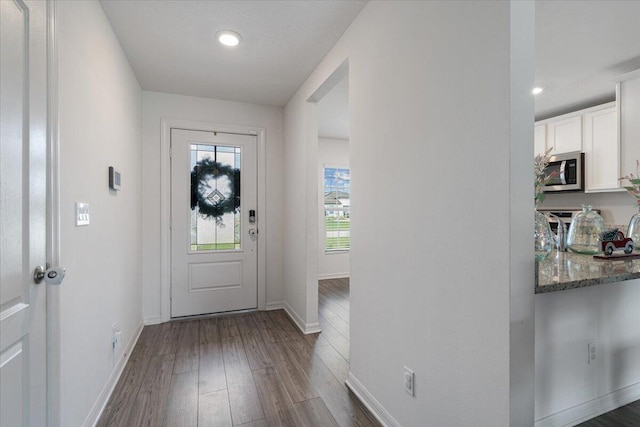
<point>626,416</point>
<point>251,369</point>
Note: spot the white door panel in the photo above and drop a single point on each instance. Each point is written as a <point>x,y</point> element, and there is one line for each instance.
<point>213,254</point>
<point>23,127</point>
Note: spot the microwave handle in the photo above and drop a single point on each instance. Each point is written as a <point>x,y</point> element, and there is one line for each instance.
<point>563,178</point>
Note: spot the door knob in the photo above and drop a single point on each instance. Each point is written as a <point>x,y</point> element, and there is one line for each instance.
<point>52,276</point>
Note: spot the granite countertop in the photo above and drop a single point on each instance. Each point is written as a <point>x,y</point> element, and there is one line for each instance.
<point>568,270</point>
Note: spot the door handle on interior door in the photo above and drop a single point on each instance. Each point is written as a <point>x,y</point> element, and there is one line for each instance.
<point>253,232</point>
<point>51,276</point>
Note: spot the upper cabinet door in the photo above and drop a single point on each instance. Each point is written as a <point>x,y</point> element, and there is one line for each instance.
<point>629,101</point>
<point>565,135</point>
<point>601,149</point>
<point>539,139</point>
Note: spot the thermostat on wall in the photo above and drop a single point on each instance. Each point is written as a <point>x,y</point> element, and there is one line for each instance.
<point>114,178</point>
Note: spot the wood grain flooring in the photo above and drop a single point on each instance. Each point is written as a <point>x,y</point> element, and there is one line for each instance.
<point>250,369</point>
<point>625,416</point>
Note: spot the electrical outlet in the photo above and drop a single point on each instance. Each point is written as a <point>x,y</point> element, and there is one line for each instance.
<point>409,381</point>
<point>591,350</point>
<point>117,340</point>
<point>116,336</point>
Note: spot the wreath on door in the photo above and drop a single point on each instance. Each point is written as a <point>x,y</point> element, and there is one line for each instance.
<point>210,202</point>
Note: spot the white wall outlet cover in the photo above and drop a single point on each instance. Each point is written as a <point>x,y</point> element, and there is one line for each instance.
<point>409,381</point>
<point>591,349</point>
<point>82,214</point>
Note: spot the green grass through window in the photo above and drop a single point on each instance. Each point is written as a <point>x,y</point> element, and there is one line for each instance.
<point>215,247</point>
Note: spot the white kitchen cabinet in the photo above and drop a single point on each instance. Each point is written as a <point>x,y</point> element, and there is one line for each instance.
<point>565,135</point>
<point>629,103</point>
<point>593,131</point>
<point>601,148</point>
<point>539,139</point>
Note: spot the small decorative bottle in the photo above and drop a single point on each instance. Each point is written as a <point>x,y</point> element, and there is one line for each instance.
<point>584,232</point>
<point>634,230</point>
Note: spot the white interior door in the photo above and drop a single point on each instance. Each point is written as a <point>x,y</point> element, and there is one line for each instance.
<point>23,127</point>
<point>213,234</point>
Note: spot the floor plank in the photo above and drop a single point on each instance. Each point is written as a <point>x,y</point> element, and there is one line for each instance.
<point>276,402</point>
<point>314,413</point>
<point>212,376</point>
<point>344,409</point>
<point>339,325</point>
<point>182,406</point>
<point>213,409</point>
<point>334,338</point>
<point>228,326</point>
<point>168,338</point>
<point>150,403</point>
<point>249,369</point>
<point>243,396</point>
<point>291,373</point>
<point>625,416</point>
<point>259,423</point>
<point>334,361</point>
<point>257,352</point>
<point>187,353</point>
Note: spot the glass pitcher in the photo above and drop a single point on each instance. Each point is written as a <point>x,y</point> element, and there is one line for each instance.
<point>584,232</point>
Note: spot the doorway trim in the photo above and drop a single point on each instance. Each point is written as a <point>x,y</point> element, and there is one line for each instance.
<point>310,324</point>
<point>165,203</point>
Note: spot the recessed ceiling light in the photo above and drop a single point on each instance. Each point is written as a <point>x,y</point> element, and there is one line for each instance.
<point>228,38</point>
<point>536,90</point>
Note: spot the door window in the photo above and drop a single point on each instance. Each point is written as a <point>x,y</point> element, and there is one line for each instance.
<point>215,197</point>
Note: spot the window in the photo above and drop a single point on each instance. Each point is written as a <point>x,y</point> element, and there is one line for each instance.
<point>337,195</point>
<point>215,185</point>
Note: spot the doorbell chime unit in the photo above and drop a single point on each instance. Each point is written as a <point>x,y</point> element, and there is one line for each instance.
<point>114,178</point>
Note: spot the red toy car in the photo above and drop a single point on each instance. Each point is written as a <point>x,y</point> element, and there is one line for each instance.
<point>613,240</point>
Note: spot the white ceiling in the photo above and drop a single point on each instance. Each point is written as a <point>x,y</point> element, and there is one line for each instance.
<point>581,46</point>
<point>172,48</point>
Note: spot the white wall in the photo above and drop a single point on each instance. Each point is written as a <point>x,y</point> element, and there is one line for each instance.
<point>566,322</point>
<point>617,208</point>
<point>100,107</point>
<point>439,142</point>
<point>331,153</point>
<point>157,106</point>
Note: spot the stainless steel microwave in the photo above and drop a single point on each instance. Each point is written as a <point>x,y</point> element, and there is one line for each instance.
<point>567,172</point>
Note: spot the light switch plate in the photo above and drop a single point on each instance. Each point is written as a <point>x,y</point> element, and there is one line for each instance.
<point>82,214</point>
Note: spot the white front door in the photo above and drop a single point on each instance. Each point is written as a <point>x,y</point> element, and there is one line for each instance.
<point>213,222</point>
<point>23,133</point>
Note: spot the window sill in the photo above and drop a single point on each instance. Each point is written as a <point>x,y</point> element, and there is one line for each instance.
<point>336,251</point>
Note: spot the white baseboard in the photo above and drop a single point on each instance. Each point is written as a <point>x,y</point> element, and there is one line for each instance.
<point>152,320</point>
<point>274,305</point>
<point>305,328</point>
<point>105,394</point>
<point>370,402</point>
<point>333,276</point>
<point>592,408</point>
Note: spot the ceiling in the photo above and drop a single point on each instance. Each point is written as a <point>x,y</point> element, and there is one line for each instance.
<point>172,48</point>
<point>581,46</point>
